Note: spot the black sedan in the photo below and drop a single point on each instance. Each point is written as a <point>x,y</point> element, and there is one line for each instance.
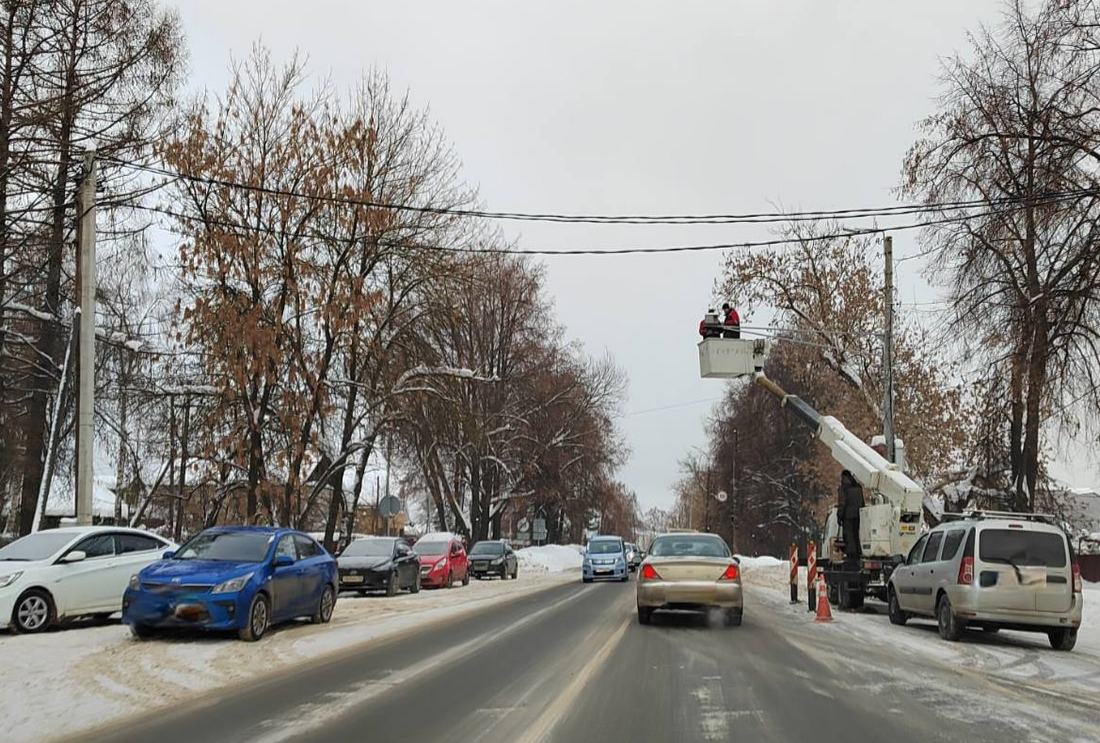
<point>379,563</point>
<point>494,557</point>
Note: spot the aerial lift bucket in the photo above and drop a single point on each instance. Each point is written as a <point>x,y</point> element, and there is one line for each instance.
<point>729,358</point>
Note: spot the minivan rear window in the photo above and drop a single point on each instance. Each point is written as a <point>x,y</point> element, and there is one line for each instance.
<point>1018,547</point>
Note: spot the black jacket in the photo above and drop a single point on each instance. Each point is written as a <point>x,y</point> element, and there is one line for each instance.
<point>849,500</point>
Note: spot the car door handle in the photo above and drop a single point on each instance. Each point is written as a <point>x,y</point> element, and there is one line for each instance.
<point>300,571</point>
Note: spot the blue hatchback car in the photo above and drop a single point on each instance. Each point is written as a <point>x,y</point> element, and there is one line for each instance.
<point>605,557</point>
<point>243,578</point>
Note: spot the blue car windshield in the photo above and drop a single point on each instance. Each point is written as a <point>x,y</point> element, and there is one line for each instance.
<point>226,546</point>
<point>605,547</point>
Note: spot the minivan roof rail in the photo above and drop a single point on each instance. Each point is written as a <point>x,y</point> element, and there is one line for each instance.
<point>1045,518</point>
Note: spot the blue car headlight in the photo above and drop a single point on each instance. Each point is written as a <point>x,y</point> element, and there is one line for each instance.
<point>135,582</point>
<point>233,584</point>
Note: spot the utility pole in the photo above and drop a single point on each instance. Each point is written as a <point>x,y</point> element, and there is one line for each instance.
<point>735,497</point>
<point>888,350</point>
<point>85,471</point>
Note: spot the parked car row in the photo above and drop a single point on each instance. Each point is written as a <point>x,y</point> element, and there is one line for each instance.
<point>228,578</point>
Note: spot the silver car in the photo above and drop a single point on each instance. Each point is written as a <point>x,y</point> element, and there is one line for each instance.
<point>992,570</point>
<point>693,571</point>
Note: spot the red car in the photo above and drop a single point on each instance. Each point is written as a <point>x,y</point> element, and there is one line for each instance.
<point>442,560</point>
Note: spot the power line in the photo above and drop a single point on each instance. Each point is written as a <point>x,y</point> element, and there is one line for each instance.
<point>672,407</point>
<point>668,219</point>
<point>775,242</point>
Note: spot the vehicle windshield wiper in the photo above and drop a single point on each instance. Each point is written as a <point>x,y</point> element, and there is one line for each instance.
<point>15,559</point>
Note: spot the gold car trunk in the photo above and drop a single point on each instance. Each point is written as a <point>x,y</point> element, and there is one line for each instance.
<point>676,569</point>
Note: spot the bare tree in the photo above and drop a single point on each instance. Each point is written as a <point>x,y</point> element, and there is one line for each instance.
<point>1017,128</point>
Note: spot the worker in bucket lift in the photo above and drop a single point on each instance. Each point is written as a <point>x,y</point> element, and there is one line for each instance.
<point>849,501</point>
<point>710,326</point>
<point>731,322</point>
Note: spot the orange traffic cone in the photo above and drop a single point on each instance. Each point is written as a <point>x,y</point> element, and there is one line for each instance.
<point>824,613</point>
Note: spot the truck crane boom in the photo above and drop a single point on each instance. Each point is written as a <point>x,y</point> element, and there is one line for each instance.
<point>889,522</point>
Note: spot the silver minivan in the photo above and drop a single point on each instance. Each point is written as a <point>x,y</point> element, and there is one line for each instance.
<point>992,570</point>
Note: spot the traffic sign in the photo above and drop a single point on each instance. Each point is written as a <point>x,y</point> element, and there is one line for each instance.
<point>538,533</point>
<point>389,507</point>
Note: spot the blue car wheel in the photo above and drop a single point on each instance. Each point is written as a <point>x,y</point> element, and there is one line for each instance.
<point>325,606</point>
<point>141,631</point>
<point>259,618</point>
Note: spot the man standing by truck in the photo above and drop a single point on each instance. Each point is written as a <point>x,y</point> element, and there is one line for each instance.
<point>848,502</point>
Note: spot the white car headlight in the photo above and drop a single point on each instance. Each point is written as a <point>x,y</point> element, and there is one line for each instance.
<point>233,584</point>
<point>10,578</point>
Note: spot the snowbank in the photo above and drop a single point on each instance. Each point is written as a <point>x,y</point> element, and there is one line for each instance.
<point>553,558</point>
<point>61,683</point>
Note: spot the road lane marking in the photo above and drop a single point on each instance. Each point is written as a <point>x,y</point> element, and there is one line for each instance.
<point>548,719</point>
<point>311,715</point>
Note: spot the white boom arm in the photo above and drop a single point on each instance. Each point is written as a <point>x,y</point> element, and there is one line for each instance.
<point>889,522</point>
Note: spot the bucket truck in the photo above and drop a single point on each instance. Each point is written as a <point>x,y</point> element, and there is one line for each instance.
<point>889,522</point>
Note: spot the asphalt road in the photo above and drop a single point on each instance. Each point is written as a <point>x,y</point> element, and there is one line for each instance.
<point>572,664</point>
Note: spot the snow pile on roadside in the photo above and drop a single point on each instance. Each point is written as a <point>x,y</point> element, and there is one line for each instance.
<point>85,676</point>
<point>765,561</point>
<point>553,558</point>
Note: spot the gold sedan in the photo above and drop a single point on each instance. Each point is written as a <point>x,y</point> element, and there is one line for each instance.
<point>693,571</point>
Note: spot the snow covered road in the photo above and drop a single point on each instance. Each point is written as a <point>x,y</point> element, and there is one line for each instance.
<point>1022,662</point>
<point>571,663</point>
<point>65,681</point>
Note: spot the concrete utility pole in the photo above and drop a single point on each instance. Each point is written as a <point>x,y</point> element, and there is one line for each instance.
<point>86,409</point>
<point>888,350</point>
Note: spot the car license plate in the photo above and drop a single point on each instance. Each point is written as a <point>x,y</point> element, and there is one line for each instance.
<point>603,570</point>
<point>353,579</point>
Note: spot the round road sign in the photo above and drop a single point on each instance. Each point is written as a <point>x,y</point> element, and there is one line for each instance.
<point>390,506</point>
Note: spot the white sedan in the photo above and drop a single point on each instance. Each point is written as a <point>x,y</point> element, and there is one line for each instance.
<point>59,574</point>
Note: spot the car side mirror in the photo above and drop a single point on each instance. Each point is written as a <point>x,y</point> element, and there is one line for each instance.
<point>168,555</point>
<point>283,561</point>
<point>75,556</point>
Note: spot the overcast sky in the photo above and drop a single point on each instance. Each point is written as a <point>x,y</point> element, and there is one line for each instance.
<point>642,107</point>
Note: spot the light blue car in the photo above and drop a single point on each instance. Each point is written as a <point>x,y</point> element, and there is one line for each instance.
<point>605,559</point>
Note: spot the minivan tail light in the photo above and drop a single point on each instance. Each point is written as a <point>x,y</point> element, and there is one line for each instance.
<point>649,573</point>
<point>966,571</point>
<point>1077,585</point>
<point>730,574</point>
